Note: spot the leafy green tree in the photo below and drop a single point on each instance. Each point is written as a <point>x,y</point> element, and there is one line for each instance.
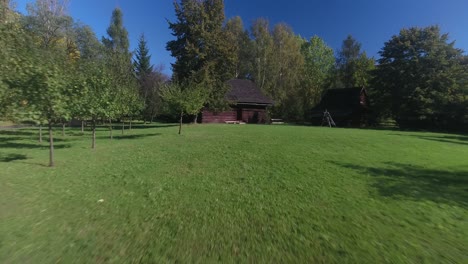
<point>263,53</point>
<point>87,42</point>
<point>319,64</point>
<point>353,66</point>
<point>184,100</point>
<point>47,19</point>
<point>99,96</point>
<point>278,64</point>
<point>237,35</point>
<point>420,79</point>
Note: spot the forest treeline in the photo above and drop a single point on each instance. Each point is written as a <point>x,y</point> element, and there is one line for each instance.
<point>54,69</point>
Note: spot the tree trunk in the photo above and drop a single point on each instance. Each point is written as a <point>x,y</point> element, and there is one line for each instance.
<point>40,133</point>
<point>180,123</point>
<point>123,126</point>
<point>195,119</point>
<point>63,128</point>
<point>51,145</point>
<point>82,126</point>
<point>93,146</point>
<point>151,119</point>
<point>130,124</point>
<point>110,129</point>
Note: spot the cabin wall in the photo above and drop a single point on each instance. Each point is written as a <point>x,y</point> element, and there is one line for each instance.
<point>211,117</point>
<point>245,113</point>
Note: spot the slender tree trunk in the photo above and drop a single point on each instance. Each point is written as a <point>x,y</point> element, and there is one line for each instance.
<point>51,145</point>
<point>180,123</point>
<point>40,133</point>
<point>151,119</point>
<point>110,129</point>
<point>93,146</point>
<point>130,124</point>
<point>82,126</point>
<point>123,126</point>
<point>63,128</point>
<point>195,119</point>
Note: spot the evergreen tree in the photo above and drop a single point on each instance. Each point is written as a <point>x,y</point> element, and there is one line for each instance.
<point>142,61</point>
<point>118,35</point>
<point>353,66</point>
<point>119,61</point>
<point>202,50</point>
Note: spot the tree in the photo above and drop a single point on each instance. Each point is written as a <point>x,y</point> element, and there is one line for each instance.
<point>319,64</point>
<point>263,53</point>
<point>353,66</point>
<point>277,64</point>
<point>143,71</point>
<point>47,19</point>
<point>184,100</point>
<point>420,79</point>
<point>237,35</point>
<point>99,101</point>
<point>202,51</point>
<point>119,62</point>
<point>118,35</point>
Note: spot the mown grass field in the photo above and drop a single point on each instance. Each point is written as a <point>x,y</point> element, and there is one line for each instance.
<point>229,193</point>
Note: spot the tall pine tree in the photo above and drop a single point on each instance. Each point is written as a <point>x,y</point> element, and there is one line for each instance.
<point>202,50</point>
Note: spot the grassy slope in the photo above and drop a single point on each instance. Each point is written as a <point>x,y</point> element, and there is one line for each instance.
<point>236,193</point>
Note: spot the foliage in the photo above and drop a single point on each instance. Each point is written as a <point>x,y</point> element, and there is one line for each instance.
<point>421,80</point>
<point>318,69</point>
<point>237,35</point>
<point>183,99</point>
<point>353,66</point>
<point>118,35</point>
<point>202,50</point>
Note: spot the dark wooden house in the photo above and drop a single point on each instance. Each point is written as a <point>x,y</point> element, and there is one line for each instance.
<point>349,107</point>
<point>248,104</point>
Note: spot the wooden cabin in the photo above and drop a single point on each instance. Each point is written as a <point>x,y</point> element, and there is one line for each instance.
<point>247,102</point>
<point>349,107</point>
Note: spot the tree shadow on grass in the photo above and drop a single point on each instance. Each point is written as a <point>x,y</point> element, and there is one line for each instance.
<point>138,136</point>
<point>12,157</point>
<point>405,181</point>
<point>16,145</point>
<point>454,139</point>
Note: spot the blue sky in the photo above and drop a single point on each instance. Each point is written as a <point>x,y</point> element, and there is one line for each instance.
<point>372,22</point>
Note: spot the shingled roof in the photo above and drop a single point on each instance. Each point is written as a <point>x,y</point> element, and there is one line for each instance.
<point>342,99</point>
<point>246,92</point>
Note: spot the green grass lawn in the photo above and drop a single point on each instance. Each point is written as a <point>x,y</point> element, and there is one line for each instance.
<point>230,193</point>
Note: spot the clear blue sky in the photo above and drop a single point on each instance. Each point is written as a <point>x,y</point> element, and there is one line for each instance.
<point>372,22</point>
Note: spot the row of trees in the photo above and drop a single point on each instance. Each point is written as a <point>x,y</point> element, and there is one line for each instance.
<point>420,79</point>
<point>292,70</point>
<point>54,69</point>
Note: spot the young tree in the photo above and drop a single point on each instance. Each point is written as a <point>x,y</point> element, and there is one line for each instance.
<point>184,100</point>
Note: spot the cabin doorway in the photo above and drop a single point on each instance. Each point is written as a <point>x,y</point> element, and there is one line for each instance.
<point>239,114</point>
